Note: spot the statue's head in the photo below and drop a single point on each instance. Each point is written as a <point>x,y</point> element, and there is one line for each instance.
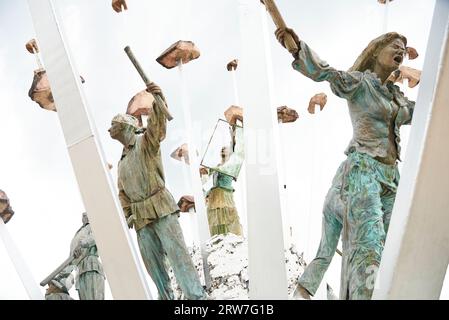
<point>123,128</point>
<point>387,52</point>
<point>225,153</point>
<point>85,218</point>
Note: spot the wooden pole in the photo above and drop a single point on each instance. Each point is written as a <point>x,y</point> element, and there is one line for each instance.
<point>147,81</point>
<point>280,24</point>
<point>63,265</point>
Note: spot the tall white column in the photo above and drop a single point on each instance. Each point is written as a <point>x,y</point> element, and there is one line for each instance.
<point>284,191</point>
<point>25,275</point>
<point>267,271</point>
<point>416,253</point>
<point>242,174</point>
<point>119,257</point>
<point>385,19</point>
<point>197,189</point>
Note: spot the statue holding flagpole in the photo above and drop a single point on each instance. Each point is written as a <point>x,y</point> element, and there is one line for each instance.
<point>361,198</point>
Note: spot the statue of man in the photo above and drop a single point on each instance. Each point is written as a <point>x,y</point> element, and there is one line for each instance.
<point>360,201</point>
<point>148,206</point>
<point>90,276</point>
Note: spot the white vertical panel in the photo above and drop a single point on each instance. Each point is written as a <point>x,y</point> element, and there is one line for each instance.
<point>267,272</point>
<point>197,189</point>
<point>119,257</point>
<point>25,275</point>
<point>416,253</point>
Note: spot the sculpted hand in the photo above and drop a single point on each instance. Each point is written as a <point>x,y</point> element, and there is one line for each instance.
<point>154,88</point>
<point>281,33</point>
<point>118,4</point>
<point>203,171</point>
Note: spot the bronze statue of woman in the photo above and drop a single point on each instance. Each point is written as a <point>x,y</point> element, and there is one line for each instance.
<point>222,213</point>
<point>360,200</point>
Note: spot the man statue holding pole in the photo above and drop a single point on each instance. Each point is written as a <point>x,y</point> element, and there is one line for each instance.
<point>148,206</point>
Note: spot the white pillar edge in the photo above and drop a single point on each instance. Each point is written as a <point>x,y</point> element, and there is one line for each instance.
<point>29,283</point>
<point>266,258</point>
<point>124,273</point>
<point>416,253</point>
<point>194,167</point>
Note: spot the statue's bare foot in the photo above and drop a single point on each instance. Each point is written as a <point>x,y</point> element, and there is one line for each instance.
<point>301,293</point>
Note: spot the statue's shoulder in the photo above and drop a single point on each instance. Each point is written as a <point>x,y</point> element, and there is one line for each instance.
<point>84,230</point>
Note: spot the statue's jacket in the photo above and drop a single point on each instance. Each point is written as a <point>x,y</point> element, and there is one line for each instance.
<point>372,106</point>
<point>141,180</point>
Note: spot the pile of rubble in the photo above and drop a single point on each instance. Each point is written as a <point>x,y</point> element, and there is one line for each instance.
<point>228,265</point>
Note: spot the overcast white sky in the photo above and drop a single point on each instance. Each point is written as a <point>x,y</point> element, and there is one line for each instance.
<point>35,170</point>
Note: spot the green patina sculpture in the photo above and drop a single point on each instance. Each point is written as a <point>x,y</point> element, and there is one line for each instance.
<point>360,200</point>
<point>58,288</point>
<point>149,207</point>
<point>90,276</point>
<point>222,214</point>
